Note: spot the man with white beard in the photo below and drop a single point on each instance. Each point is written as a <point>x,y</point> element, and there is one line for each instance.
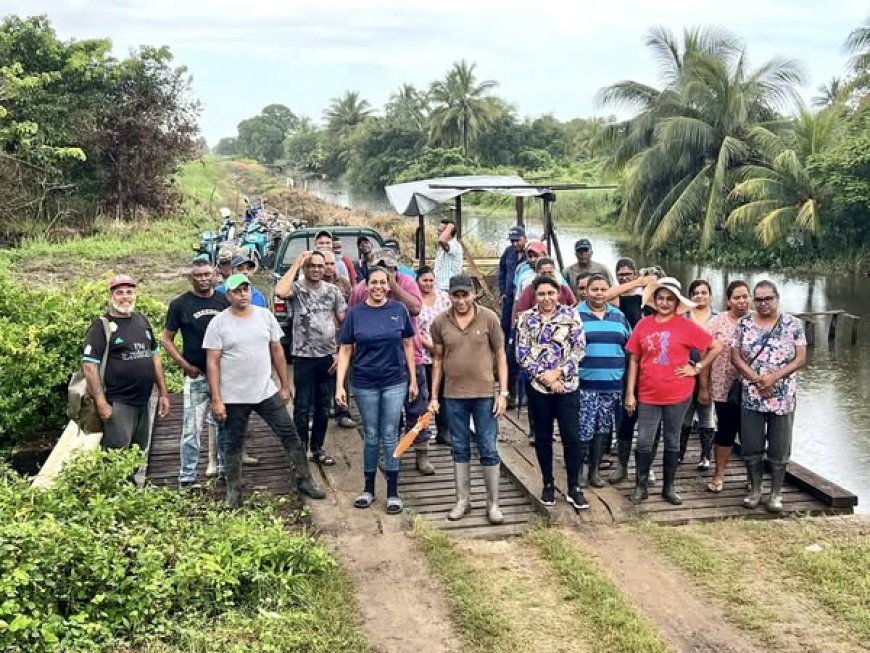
<point>132,368</point>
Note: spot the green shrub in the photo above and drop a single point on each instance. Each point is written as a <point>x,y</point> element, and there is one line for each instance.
<point>41,336</point>
<point>97,564</point>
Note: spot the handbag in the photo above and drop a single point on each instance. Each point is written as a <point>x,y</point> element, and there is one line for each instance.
<point>735,392</point>
<point>81,407</point>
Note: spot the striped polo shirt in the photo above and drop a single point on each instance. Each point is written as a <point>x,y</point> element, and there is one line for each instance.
<point>603,367</point>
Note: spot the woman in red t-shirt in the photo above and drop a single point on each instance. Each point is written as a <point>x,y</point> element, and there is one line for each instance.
<point>660,370</point>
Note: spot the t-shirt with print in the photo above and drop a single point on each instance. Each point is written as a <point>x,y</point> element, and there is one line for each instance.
<point>662,347</point>
<point>315,309</point>
<point>468,353</point>
<point>191,314</point>
<point>130,372</point>
<point>376,332</point>
<point>246,361</point>
<point>779,351</point>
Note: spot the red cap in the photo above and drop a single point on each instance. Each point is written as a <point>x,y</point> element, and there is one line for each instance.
<point>536,246</point>
<point>121,280</point>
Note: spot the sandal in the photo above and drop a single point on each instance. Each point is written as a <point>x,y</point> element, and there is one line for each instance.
<point>364,500</point>
<point>715,486</point>
<point>394,505</point>
<point>322,458</point>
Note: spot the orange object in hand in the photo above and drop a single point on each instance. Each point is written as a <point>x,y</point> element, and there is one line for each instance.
<point>408,439</point>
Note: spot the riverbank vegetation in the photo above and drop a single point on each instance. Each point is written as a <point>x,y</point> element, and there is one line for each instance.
<point>97,564</point>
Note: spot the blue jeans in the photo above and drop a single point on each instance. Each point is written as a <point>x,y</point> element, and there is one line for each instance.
<point>381,410</point>
<point>479,409</point>
<point>197,401</point>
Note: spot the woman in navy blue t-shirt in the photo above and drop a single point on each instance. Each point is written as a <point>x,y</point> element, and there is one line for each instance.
<point>377,335</point>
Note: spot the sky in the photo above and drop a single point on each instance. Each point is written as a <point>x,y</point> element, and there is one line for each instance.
<point>548,56</point>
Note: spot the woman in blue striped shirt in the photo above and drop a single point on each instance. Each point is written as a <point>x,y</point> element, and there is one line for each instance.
<point>601,371</point>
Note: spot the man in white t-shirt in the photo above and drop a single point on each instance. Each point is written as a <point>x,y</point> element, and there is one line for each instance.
<point>448,260</point>
<point>243,345</point>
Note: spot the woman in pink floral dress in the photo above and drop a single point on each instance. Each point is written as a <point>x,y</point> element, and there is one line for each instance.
<point>779,346</point>
<point>722,376</point>
<point>434,303</point>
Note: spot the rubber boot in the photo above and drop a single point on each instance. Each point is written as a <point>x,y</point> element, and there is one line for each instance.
<point>755,472</point>
<point>491,477</point>
<point>234,480</point>
<point>596,449</point>
<point>212,469</point>
<point>643,462</point>
<point>302,475</point>
<point>685,432</point>
<point>584,459</point>
<point>670,461</point>
<point>777,476</point>
<point>423,464</point>
<point>623,451</point>
<point>706,436</point>
<point>462,476</point>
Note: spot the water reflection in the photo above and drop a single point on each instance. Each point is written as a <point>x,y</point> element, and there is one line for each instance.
<point>832,424</point>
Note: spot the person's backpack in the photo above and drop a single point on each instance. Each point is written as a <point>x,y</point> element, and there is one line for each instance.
<point>81,408</point>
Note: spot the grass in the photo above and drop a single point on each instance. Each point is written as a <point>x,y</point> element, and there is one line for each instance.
<point>480,626</point>
<point>753,565</point>
<point>612,622</point>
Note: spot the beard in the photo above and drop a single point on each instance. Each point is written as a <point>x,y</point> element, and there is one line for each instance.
<point>124,310</point>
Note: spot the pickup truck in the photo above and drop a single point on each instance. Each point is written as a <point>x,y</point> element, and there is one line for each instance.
<point>296,242</point>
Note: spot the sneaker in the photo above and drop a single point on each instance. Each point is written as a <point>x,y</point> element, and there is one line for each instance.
<point>704,464</point>
<point>575,498</point>
<point>346,422</point>
<point>548,495</point>
<point>652,477</point>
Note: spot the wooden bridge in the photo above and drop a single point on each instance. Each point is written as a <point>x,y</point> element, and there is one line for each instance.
<point>805,493</point>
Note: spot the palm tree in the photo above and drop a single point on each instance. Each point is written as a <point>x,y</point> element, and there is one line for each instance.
<point>778,198</point>
<point>346,112</point>
<point>408,107</point>
<point>858,45</point>
<point>830,93</point>
<point>462,106</point>
<point>679,152</point>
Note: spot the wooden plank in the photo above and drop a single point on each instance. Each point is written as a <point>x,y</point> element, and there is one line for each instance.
<point>514,504</point>
<point>821,488</point>
<point>478,520</point>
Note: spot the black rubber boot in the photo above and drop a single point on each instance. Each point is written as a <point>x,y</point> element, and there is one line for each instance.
<point>234,479</point>
<point>302,476</point>
<point>584,456</point>
<point>596,449</point>
<point>643,461</point>
<point>685,432</point>
<point>755,472</point>
<point>670,461</point>
<point>777,476</point>
<point>706,436</point>
<point>623,451</point>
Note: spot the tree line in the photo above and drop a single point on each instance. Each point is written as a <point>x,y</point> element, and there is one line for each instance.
<point>83,133</point>
<point>719,154</point>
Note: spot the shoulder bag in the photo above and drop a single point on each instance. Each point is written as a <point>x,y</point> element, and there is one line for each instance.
<point>735,392</point>
<point>81,408</point>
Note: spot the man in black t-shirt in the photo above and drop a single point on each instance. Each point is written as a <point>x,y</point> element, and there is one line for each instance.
<point>132,368</point>
<point>191,313</point>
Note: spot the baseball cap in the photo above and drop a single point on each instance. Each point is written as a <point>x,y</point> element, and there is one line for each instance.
<point>536,246</point>
<point>235,280</point>
<point>516,233</point>
<point>322,232</point>
<point>386,257</point>
<point>583,243</point>
<point>121,280</point>
<point>240,259</point>
<point>461,283</point>
<point>201,257</point>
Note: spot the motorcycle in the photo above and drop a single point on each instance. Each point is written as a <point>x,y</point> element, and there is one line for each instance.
<point>209,244</point>
<point>255,241</point>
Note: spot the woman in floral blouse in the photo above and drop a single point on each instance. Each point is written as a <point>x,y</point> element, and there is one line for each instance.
<point>550,346</point>
<point>434,302</point>
<point>722,376</point>
<point>779,346</point>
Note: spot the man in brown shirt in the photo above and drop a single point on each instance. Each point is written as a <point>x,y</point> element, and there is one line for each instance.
<point>467,341</point>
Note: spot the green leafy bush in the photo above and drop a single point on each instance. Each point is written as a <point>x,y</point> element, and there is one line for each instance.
<point>41,336</point>
<point>97,564</point>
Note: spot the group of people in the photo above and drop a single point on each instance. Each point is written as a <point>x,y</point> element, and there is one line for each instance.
<point>596,358</point>
<point>592,357</point>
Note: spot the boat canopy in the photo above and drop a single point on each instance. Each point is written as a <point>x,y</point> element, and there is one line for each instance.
<point>415,198</point>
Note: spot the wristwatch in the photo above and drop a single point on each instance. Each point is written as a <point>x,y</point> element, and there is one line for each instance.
<point>504,393</point>
<point>699,366</point>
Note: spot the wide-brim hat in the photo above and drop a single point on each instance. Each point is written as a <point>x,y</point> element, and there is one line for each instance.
<point>672,284</point>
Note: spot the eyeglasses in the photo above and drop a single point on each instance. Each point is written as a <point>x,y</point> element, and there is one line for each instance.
<point>765,300</point>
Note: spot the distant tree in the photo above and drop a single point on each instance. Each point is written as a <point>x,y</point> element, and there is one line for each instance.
<point>408,108</point>
<point>346,112</point>
<point>462,106</point>
<point>227,146</point>
<point>304,147</point>
<point>830,93</point>
<point>858,45</point>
